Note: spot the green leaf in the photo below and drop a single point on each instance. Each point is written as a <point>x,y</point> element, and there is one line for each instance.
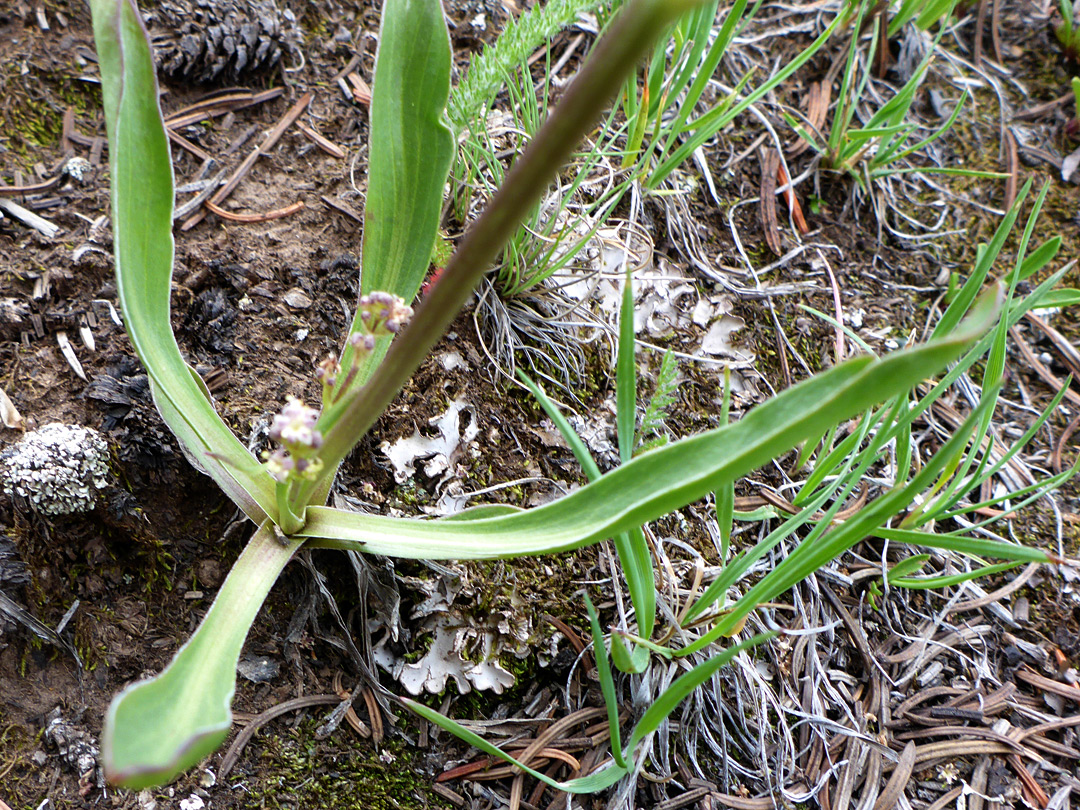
<point>665,395</point>
<point>615,55</point>
<point>908,566</point>
<point>935,583</point>
<point>976,546</point>
<point>596,781</point>
<point>1036,260</point>
<point>827,542</point>
<point>518,40</point>
<point>657,482</point>
<point>634,553</point>
<point>158,728</point>
<point>626,373</point>
<point>837,490</point>
<point>667,702</point>
<point>142,207</point>
<point>703,132</point>
<point>1066,297</point>
<point>984,262</point>
<point>485,510</point>
<point>607,683</point>
<point>411,147</point>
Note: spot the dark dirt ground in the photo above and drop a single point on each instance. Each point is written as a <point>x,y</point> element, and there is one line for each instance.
<point>145,563</point>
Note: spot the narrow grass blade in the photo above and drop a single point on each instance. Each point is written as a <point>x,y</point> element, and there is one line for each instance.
<point>738,567</point>
<point>1061,298</point>
<point>594,782</point>
<point>626,374</point>
<point>702,134</point>
<point>1036,260</point>
<point>966,296</point>
<point>826,465</point>
<point>1019,497</point>
<point>634,554</point>
<point>824,546</point>
<point>936,583</point>
<point>976,546</point>
<point>906,567</point>
<point>669,700</point>
<point>882,159</point>
<point>716,52</point>
<point>607,683</point>
<point>521,37</point>
<point>570,436</point>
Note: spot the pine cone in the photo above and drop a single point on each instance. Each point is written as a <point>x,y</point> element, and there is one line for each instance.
<point>205,40</point>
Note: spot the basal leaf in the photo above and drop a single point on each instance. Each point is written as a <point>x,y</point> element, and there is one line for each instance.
<point>411,148</point>
<point>660,481</point>
<point>142,207</point>
<point>158,728</point>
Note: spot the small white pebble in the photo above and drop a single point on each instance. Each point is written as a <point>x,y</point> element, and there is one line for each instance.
<point>77,168</point>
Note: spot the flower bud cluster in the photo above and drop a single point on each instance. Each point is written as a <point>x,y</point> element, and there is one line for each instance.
<point>383,314</point>
<point>294,429</point>
<point>327,373</point>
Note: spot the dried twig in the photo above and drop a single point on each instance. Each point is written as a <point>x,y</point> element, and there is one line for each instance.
<point>321,141</point>
<point>1039,368</point>
<point>351,717</point>
<point>218,105</point>
<point>999,594</point>
<point>1041,110</point>
<point>361,92</point>
<point>790,199</point>
<point>841,351</point>
<point>187,145</point>
<point>1066,434</point>
<point>818,97</point>
<point>770,162</point>
<point>1012,168</point>
<point>29,218</point>
<point>980,23</point>
<point>34,188</point>
<point>269,215</point>
<point>1066,690</point>
<point>271,139</point>
<point>244,737</point>
<point>1068,353</point>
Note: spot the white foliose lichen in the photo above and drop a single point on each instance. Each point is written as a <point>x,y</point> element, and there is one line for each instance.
<point>58,468</point>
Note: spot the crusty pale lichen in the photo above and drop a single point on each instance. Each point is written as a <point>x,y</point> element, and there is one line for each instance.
<point>58,469</point>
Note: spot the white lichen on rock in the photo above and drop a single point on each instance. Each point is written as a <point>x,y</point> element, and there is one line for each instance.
<point>58,469</point>
<point>467,641</point>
